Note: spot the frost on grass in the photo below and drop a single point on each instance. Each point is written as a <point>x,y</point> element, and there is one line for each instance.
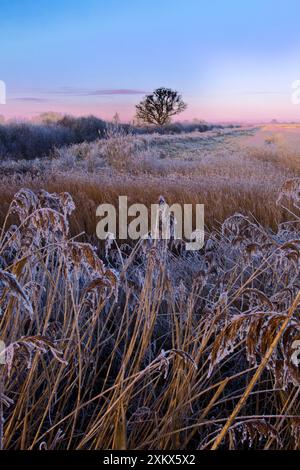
<point>141,345</point>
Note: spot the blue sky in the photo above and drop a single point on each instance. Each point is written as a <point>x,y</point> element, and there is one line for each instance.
<point>231,60</point>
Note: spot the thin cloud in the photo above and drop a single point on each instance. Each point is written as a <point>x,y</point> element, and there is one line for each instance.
<point>29,98</point>
<point>68,91</point>
<point>118,92</point>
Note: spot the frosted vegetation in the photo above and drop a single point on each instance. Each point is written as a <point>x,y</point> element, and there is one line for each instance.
<point>147,345</point>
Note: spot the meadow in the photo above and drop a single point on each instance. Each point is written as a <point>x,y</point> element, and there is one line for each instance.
<point>113,345</point>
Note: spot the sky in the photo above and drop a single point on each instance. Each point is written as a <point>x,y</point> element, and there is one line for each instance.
<point>231,60</point>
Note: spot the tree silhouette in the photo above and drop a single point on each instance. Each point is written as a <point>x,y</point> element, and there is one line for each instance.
<point>158,107</point>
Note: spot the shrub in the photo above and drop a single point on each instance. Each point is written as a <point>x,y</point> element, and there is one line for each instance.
<point>28,141</point>
<point>24,140</point>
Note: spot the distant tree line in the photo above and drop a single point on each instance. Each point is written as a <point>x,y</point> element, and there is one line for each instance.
<point>26,140</point>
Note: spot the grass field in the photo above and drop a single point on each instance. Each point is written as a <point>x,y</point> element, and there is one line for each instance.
<point>151,346</point>
<point>231,170</point>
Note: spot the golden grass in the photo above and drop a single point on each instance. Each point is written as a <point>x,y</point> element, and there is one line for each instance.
<point>221,196</point>
<point>224,170</point>
<point>149,349</point>
<point>150,346</point>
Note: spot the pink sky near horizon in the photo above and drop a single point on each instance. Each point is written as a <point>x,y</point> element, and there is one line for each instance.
<point>229,107</point>
<point>208,110</point>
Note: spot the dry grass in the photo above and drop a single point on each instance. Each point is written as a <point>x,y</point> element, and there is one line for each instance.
<point>221,196</point>
<point>152,349</point>
<point>151,346</point>
<point>222,169</point>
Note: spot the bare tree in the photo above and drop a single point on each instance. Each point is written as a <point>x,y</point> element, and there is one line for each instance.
<point>158,107</point>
